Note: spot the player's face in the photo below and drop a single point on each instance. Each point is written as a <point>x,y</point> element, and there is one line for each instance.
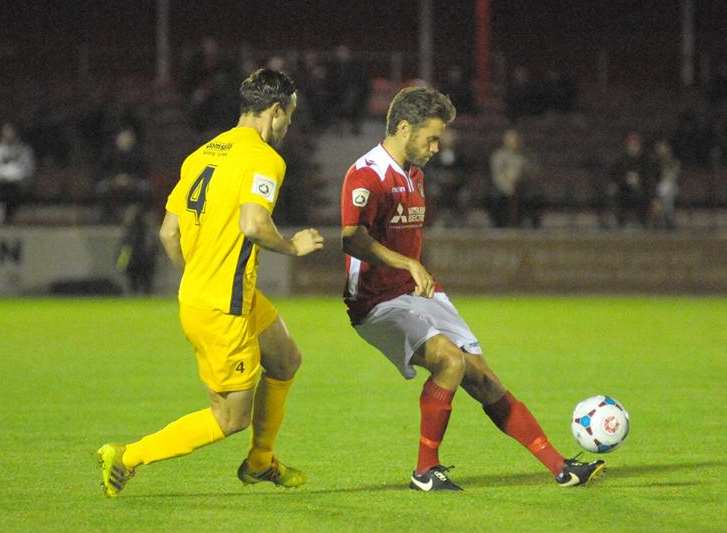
<point>423,142</point>
<point>281,121</point>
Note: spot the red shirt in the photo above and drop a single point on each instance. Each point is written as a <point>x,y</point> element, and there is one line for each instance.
<point>389,201</point>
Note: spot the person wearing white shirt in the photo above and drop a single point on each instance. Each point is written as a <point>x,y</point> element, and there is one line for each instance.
<point>17,165</point>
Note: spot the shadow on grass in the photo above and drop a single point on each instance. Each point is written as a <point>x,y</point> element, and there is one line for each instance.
<point>489,480</point>
<point>615,473</point>
<point>248,492</point>
<point>638,470</point>
<point>663,484</point>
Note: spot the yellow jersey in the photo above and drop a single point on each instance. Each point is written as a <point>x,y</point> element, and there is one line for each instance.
<point>234,168</point>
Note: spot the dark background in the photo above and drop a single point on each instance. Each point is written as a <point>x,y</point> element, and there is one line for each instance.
<point>43,38</point>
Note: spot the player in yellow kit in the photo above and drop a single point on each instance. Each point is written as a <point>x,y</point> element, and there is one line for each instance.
<point>218,216</point>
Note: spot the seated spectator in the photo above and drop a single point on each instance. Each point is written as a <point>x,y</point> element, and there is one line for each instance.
<point>667,169</point>
<point>517,197</point>
<point>17,165</point>
<point>122,177</point>
<point>632,190</point>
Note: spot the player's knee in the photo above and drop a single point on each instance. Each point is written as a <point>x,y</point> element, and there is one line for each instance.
<point>229,420</point>
<point>235,424</point>
<point>449,358</point>
<point>453,361</point>
<point>286,365</point>
<point>293,361</point>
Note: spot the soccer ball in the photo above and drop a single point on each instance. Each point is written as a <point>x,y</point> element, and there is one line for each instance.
<point>600,424</point>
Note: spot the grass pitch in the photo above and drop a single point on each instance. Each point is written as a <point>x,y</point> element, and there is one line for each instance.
<point>78,373</point>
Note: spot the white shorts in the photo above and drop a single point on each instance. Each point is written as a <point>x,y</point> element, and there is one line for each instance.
<point>398,327</point>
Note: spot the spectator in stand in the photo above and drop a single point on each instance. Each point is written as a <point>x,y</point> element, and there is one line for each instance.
<point>122,178</point>
<point>138,250</point>
<point>17,165</point>
<point>667,169</point>
<point>350,88</point>
<point>516,198</point>
<point>124,115</point>
<point>277,63</point>
<point>631,176</point>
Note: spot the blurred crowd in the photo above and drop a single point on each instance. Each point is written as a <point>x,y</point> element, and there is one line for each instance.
<point>334,88</point>
<point>106,135</point>
<point>101,131</point>
<point>639,188</point>
<point>642,186</point>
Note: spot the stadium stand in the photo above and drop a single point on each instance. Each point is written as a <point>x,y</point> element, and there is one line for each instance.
<point>573,149</point>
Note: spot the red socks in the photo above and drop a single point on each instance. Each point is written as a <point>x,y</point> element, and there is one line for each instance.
<point>435,405</point>
<point>514,419</point>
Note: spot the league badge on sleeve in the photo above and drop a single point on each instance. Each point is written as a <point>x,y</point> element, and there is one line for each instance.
<point>360,197</point>
<point>263,186</point>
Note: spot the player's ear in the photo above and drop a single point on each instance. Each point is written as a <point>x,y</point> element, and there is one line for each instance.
<point>277,109</point>
<point>403,128</point>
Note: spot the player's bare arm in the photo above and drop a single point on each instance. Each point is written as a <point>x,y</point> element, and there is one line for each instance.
<point>357,242</point>
<point>169,235</point>
<point>258,226</point>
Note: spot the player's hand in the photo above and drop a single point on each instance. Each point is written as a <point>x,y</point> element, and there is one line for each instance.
<point>423,279</point>
<point>307,241</point>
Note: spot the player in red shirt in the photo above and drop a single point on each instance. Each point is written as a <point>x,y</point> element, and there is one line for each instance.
<point>396,305</point>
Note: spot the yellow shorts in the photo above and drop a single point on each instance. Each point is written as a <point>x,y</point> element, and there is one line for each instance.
<point>226,346</point>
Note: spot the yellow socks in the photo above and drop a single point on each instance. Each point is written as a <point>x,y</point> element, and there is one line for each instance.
<point>200,428</point>
<point>181,437</point>
<point>268,411</point>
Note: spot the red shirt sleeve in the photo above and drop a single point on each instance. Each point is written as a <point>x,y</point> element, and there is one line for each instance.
<point>360,197</point>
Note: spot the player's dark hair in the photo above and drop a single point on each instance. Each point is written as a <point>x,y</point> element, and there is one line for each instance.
<point>263,88</point>
<point>416,105</point>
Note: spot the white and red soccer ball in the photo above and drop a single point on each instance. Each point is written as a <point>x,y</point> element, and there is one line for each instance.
<point>600,424</point>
